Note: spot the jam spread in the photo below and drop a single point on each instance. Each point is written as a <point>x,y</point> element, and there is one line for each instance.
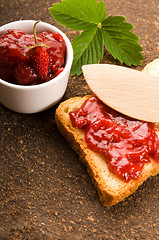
<point>15,65</point>
<point>127,144</point>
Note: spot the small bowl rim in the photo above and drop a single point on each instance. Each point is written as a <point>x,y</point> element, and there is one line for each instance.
<point>54,80</point>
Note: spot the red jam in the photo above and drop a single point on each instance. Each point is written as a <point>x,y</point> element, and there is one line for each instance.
<point>14,61</point>
<point>126,143</point>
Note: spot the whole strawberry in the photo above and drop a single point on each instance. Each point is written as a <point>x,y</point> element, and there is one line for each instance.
<point>39,57</point>
<point>25,75</point>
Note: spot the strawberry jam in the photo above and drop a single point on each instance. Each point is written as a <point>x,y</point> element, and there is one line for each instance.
<point>15,64</point>
<point>127,144</point>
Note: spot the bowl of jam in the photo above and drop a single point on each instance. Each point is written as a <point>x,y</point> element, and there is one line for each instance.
<point>35,63</point>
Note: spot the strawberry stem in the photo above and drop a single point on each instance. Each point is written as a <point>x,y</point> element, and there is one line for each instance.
<point>34,31</point>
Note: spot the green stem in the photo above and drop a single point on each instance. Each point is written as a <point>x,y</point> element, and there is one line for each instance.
<point>99,25</point>
<point>34,31</point>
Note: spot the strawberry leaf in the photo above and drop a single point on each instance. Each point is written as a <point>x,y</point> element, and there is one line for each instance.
<point>120,42</point>
<point>87,48</point>
<point>78,14</point>
<point>90,16</point>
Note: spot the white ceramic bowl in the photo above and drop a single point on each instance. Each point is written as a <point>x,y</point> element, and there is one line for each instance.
<point>35,98</point>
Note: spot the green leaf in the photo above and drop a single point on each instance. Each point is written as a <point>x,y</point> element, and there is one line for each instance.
<point>78,14</point>
<point>89,16</point>
<point>87,48</point>
<point>120,42</point>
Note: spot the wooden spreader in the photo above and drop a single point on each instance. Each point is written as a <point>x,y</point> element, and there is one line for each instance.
<point>128,91</point>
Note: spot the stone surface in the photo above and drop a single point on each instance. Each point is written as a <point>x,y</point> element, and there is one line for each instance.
<point>46,192</point>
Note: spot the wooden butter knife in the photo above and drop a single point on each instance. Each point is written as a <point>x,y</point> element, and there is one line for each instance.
<point>128,91</point>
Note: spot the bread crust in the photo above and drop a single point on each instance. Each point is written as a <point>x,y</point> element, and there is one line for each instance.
<point>110,188</point>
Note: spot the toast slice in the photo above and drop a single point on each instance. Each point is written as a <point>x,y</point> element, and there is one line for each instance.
<point>110,188</point>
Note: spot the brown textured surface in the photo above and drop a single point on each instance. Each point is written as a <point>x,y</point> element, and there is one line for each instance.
<point>45,190</point>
